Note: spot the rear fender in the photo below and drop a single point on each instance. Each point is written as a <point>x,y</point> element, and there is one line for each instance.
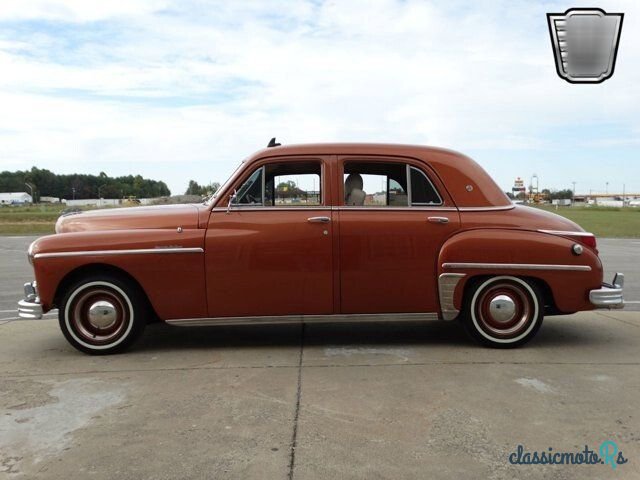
<point>540,256</point>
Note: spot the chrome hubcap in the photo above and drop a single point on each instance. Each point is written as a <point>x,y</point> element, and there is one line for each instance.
<point>102,314</point>
<point>502,308</point>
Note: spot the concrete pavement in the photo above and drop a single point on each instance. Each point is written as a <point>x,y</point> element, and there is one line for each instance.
<point>344,401</point>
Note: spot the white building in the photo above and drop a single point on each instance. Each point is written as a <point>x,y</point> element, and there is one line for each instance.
<point>94,202</point>
<point>15,198</point>
<point>49,200</point>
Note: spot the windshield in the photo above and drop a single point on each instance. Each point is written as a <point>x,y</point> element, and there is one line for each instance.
<point>222,187</point>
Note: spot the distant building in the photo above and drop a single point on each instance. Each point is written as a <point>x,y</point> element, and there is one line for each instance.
<point>49,200</point>
<point>94,202</point>
<point>15,198</point>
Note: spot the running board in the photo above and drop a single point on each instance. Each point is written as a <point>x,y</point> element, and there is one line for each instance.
<point>349,318</point>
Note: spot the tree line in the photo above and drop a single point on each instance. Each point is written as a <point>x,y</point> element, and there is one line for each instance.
<point>45,183</point>
<point>195,188</point>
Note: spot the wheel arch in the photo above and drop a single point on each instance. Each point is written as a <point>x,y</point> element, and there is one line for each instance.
<point>100,269</point>
<point>485,252</point>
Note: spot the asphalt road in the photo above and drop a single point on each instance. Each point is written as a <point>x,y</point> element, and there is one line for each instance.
<point>340,401</point>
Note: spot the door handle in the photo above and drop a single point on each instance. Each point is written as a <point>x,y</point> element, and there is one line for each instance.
<point>438,219</point>
<point>318,219</point>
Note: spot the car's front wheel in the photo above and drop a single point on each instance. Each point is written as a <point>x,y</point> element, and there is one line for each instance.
<point>503,311</point>
<point>102,314</point>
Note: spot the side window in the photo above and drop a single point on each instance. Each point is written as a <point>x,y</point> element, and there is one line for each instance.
<point>378,184</point>
<point>250,193</point>
<point>422,190</point>
<point>374,184</point>
<point>290,184</point>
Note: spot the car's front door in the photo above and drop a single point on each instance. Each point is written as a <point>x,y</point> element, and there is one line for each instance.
<point>395,216</point>
<point>270,253</point>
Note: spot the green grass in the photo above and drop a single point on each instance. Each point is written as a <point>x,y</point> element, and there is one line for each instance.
<point>26,228</point>
<point>603,221</point>
<point>31,220</point>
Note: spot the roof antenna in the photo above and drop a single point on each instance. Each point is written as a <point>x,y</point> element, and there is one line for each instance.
<point>273,143</point>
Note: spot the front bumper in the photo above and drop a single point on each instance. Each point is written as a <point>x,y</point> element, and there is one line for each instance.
<point>30,307</point>
<point>610,295</point>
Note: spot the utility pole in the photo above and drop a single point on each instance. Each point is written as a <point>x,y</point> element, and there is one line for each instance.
<point>606,188</point>
<point>30,186</point>
<point>623,195</point>
<point>573,194</point>
<point>99,194</point>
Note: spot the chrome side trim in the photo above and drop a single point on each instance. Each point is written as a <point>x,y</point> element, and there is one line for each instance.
<point>517,266</point>
<point>569,233</point>
<point>236,208</point>
<point>482,209</point>
<point>137,251</point>
<point>346,318</point>
<point>345,207</point>
<point>435,208</point>
<point>447,283</point>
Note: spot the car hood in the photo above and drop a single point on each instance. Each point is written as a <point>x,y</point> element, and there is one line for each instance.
<point>159,217</point>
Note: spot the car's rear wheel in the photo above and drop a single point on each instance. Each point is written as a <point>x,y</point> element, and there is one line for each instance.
<point>503,311</point>
<point>102,314</point>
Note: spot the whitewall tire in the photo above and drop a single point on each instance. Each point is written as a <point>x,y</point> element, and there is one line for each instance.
<point>503,311</point>
<point>102,314</point>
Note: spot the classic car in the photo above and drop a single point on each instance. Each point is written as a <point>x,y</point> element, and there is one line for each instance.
<point>322,233</point>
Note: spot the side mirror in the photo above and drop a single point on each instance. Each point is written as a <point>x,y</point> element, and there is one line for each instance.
<point>232,198</point>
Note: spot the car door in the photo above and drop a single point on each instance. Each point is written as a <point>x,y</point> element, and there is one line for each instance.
<point>270,253</point>
<point>395,216</point>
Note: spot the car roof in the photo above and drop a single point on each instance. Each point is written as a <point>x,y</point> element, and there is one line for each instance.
<point>467,182</point>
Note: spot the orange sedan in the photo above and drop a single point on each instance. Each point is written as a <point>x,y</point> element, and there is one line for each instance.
<point>322,233</point>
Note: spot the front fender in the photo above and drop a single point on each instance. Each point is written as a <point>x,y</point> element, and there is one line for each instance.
<point>173,281</point>
<point>522,253</point>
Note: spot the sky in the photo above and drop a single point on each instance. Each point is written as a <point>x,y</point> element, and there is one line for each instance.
<point>185,89</point>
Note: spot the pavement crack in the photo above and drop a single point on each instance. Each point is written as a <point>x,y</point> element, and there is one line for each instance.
<point>298,366</point>
<point>294,435</point>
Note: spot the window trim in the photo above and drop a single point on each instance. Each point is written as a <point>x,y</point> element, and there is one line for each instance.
<point>410,204</point>
<point>246,179</point>
<point>409,187</point>
<point>259,207</point>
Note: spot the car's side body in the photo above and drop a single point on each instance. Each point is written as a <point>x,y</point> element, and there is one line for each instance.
<point>222,262</point>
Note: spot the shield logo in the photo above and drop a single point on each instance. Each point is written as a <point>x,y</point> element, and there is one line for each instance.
<point>585,43</point>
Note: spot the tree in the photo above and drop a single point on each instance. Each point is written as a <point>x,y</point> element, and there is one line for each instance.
<point>202,190</point>
<point>47,183</point>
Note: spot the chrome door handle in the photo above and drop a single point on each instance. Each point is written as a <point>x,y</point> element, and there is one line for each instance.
<point>438,219</point>
<point>318,219</point>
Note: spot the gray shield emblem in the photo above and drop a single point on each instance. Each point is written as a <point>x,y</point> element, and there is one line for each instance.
<point>585,43</point>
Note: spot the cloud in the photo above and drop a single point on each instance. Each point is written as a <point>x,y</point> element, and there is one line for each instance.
<point>186,89</point>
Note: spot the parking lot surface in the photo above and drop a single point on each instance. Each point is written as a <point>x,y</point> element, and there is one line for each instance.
<point>383,400</point>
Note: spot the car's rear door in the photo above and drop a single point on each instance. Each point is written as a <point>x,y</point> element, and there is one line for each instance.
<point>390,234</point>
<point>271,252</point>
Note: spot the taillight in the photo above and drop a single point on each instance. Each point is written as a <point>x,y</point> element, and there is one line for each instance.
<point>585,238</point>
<point>588,240</point>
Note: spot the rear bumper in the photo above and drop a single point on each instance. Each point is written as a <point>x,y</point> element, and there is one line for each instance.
<point>30,307</point>
<point>609,295</point>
